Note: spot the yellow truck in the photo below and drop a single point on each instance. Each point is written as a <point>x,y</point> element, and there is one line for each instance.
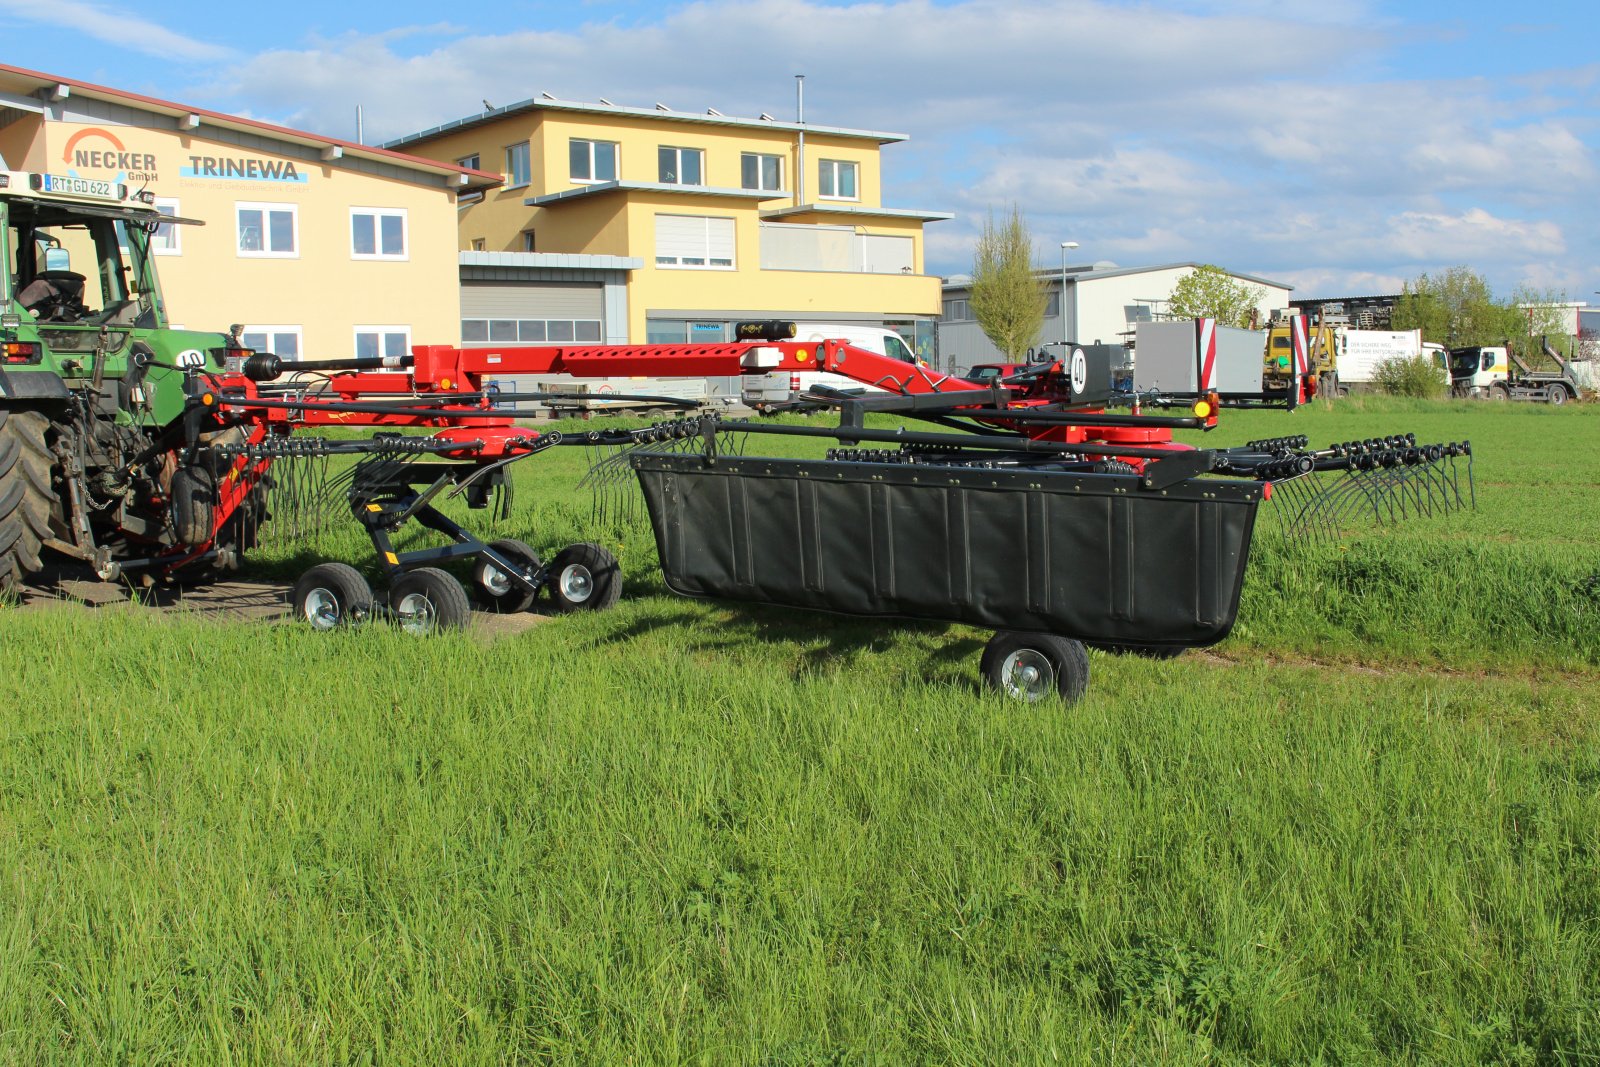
<point>1277,366</point>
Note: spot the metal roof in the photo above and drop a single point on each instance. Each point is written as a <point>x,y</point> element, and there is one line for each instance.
<point>647,187</point>
<point>1078,274</point>
<point>845,209</point>
<point>187,118</point>
<point>653,114</point>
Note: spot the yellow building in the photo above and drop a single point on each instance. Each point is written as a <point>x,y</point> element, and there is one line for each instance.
<point>318,247</point>
<point>712,219</point>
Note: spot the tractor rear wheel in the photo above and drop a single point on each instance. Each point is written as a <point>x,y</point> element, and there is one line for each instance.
<point>26,498</point>
<point>1032,667</point>
<point>496,589</point>
<point>584,577</point>
<point>332,595</point>
<point>428,600</point>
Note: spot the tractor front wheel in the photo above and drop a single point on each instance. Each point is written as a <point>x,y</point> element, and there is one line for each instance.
<point>332,595</point>
<point>1035,666</point>
<point>428,600</point>
<point>584,577</point>
<point>26,499</point>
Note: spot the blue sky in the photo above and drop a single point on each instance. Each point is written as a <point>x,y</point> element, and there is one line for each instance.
<point>1339,145</point>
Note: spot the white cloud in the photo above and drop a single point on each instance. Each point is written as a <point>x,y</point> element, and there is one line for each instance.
<point>1246,132</point>
<point>115,27</point>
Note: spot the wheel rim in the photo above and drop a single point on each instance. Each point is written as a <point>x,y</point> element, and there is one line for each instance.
<point>416,613</point>
<point>576,583</point>
<point>322,609</point>
<point>1558,395</point>
<point>496,582</point>
<point>1028,674</point>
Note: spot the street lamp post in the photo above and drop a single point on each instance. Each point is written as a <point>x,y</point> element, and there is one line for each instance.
<point>1061,305</point>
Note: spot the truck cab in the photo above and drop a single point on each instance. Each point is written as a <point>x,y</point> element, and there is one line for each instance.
<point>1476,369</point>
<point>781,390</point>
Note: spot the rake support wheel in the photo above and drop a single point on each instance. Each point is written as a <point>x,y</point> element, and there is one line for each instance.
<point>584,577</point>
<point>428,601</point>
<point>26,498</point>
<point>332,595</point>
<point>495,588</point>
<point>1033,667</point>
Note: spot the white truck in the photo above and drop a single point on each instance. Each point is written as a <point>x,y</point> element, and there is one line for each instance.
<point>781,390</point>
<point>1361,351</point>
<point>1484,372</point>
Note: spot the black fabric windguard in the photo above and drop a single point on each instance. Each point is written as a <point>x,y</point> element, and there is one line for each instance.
<point>1084,555</point>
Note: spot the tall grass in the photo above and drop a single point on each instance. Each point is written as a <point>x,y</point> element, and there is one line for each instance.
<point>644,837</point>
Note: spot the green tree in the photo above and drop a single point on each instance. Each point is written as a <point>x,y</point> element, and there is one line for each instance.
<point>1539,319</point>
<point>1008,298</point>
<point>1209,292</point>
<point>1455,308</point>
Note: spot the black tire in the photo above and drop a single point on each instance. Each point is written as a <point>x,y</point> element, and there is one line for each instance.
<point>332,595</point>
<point>1147,651</point>
<point>584,577</point>
<point>496,591</point>
<point>26,498</point>
<point>427,601</point>
<point>1034,666</point>
<point>1557,394</point>
<point>1498,393</point>
<point>194,500</point>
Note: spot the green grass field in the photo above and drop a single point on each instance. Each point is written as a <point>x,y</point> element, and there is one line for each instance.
<point>1364,829</point>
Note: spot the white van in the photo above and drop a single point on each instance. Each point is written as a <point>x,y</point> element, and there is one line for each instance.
<point>778,390</point>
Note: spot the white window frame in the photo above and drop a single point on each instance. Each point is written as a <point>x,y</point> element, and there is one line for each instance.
<point>838,166</point>
<point>758,156</point>
<point>356,332</point>
<point>472,162</point>
<point>678,154</point>
<point>266,228</point>
<point>378,214</point>
<point>616,157</point>
<point>512,181</point>
<point>662,262</point>
<point>174,231</point>
<point>273,331</point>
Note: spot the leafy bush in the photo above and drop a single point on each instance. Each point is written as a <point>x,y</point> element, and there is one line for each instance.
<point>1410,376</point>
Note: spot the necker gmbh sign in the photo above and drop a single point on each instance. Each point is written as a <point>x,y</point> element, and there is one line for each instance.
<point>94,148</point>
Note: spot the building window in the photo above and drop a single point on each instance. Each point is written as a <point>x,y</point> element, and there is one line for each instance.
<point>168,239</point>
<point>283,341</point>
<point>470,162</point>
<point>593,161</point>
<point>836,180</point>
<point>695,242</point>
<point>528,242</point>
<point>761,172</point>
<point>529,331</point>
<point>517,170</point>
<point>477,244</point>
<point>681,166</point>
<point>957,311</point>
<point>268,230</point>
<point>377,233</point>
<point>382,341</point>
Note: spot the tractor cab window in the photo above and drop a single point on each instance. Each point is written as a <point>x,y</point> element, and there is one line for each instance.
<point>80,271</point>
<point>1488,361</point>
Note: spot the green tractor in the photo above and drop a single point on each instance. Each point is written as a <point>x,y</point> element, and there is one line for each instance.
<point>104,454</point>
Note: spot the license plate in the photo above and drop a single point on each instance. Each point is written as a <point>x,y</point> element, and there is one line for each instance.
<point>63,183</point>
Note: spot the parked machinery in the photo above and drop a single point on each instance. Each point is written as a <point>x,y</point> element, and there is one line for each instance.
<point>1049,506</point>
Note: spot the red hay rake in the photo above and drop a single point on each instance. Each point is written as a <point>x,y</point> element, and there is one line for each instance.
<point>1048,507</point>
